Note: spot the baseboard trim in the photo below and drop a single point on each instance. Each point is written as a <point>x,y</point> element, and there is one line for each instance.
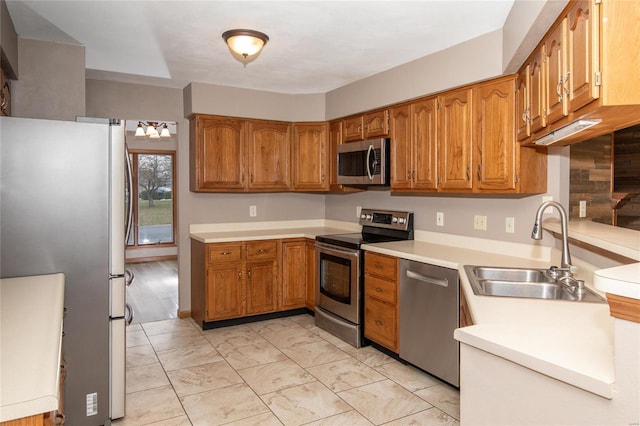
<point>151,258</point>
<point>184,314</point>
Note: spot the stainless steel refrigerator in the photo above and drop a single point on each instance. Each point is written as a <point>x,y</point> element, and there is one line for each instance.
<point>63,209</point>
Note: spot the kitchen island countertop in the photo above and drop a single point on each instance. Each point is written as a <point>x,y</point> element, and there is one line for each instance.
<point>30,344</point>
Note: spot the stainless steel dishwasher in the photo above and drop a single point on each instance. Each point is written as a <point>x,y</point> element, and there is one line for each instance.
<point>429,312</point>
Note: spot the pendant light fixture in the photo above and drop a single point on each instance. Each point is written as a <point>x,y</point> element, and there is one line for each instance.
<point>245,45</point>
<point>152,129</point>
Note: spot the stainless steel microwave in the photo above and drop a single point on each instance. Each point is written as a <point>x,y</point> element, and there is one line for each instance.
<point>364,162</point>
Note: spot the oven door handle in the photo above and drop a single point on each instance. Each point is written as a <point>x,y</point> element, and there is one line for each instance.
<point>335,249</point>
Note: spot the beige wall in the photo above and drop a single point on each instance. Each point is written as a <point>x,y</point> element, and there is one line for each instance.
<point>51,83</point>
<point>8,42</point>
<point>223,100</point>
<point>473,60</point>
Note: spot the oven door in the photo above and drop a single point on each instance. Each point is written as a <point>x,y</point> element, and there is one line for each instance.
<point>338,281</point>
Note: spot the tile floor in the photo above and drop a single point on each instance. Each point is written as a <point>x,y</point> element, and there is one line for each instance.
<point>274,372</point>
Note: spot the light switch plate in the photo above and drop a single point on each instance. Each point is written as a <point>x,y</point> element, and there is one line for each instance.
<point>439,219</point>
<point>253,211</point>
<point>583,208</point>
<point>509,225</point>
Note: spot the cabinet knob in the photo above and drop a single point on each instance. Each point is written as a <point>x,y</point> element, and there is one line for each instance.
<point>262,251</point>
<point>378,322</point>
<point>378,289</point>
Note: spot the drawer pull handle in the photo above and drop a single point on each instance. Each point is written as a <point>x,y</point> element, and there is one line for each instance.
<point>378,289</point>
<point>378,322</point>
<point>263,251</point>
<point>378,265</point>
<point>225,253</point>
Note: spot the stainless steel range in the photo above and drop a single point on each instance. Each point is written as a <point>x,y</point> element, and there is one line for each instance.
<point>340,277</point>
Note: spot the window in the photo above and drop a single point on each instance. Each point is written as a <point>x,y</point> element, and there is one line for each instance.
<point>154,198</point>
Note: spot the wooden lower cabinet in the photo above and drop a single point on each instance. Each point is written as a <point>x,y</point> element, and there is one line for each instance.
<point>381,300</point>
<point>244,278</point>
<point>294,274</point>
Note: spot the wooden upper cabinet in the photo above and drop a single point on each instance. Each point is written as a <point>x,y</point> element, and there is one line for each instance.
<point>537,90</point>
<point>413,146</point>
<point>401,147</point>
<point>494,135</point>
<point>455,150</point>
<point>217,148</point>
<point>555,65</point>
<point>268,155</point>
<point>369,125</point>
<point>310,150</point>
<point>376,124</point>
<point>424,135</point>
<point>353,128</point>
<point>582,54</point>
<point>523,107</point>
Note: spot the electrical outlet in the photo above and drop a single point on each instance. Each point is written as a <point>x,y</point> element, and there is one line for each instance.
<point>583,208</point>
<point>440,219</point>
<point>480,223</point>
<point>358,211</point>
<point>253,211</point>
<point>509,225</point>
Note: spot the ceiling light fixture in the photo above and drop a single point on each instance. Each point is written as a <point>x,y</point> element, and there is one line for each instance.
<point>245,45</point>
<point>152,129</point>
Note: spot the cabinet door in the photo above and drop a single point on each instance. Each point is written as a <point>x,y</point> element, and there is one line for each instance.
<point>537,90</point>
<point>294,274</point>
<point>376,124</point>
<point>381,323</point>
<point>353,129</point>
<point>523,105</point>
<point>556,70</point>
<point>494,135</point>
<point>401,146</point>
<point>423,133</point>
<point>454,139</point>
<point>582,54</point>
<point>311,274</point>
<point>217,153</point>
<point>262,283</point>
<point>225,298</point>
<point>310,157</point>
<point>268,149</point>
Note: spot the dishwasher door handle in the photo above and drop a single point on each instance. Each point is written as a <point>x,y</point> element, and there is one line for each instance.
<point>427,279</point>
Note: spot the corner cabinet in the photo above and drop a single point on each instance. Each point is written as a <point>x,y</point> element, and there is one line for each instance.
<point>230,154</point>
<point>240,279</point>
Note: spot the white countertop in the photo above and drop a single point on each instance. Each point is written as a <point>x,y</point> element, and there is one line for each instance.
<point>622,280</point>
<point>30,343</point>
<point>570,341</point>
<point>244,231</point>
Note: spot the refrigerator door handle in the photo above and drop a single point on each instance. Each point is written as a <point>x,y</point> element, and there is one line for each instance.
<point>129,223</point>
<point>129,314</point>
<point>129,276</point>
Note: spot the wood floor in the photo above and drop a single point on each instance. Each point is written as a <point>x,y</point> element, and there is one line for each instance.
<point>154,293</point>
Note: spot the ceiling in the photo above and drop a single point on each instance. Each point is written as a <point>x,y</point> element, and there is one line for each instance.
<point>314,47</point>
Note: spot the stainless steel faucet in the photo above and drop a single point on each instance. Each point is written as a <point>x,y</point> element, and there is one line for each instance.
<point>536,233</point>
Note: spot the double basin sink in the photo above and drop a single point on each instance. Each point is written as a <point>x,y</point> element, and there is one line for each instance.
<point>527,283</point>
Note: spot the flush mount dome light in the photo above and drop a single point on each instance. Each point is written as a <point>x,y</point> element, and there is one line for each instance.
<point>245,45</point>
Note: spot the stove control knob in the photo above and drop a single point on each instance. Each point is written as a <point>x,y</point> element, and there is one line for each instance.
<point>369,217</point>
<point>363,216</point>
<point>401,220</point>
<point>394,219</point>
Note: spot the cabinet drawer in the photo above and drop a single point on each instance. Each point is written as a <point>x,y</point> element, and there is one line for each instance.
<point>262,249</point>
<point>380,323</point>
<point>380,289</point>
<point>381,265</point>
<point>224,252</point>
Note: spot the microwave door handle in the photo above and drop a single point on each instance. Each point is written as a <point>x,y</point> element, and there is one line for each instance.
<point>368,162</point>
